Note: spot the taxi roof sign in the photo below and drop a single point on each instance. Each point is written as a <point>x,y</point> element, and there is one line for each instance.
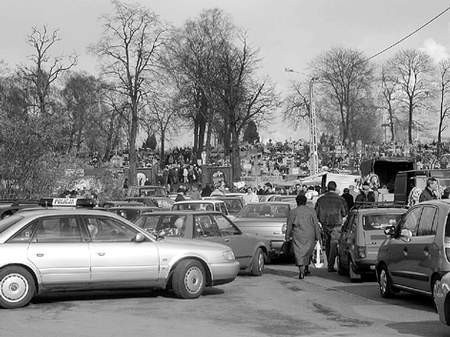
<point>66,202</point>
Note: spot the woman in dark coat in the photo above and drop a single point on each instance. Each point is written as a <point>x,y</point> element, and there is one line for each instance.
<point>304,231</point>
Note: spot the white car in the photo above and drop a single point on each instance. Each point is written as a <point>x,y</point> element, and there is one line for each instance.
<point>78,248</point>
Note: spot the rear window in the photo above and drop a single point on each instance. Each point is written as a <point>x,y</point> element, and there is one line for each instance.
<point>9,221</point>
<point>194,207</point>
<point>380,221</point>
<point>264,211</point>
<point>233,205</point>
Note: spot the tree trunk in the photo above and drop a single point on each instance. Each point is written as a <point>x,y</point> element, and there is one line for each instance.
<point>162,139</point>
<point>441,120</point>
<point>201,138</point>
<point>208,142</point>
<point>132,146</point>
<point>109,138</point>
<point>195,147</point>
<point>410,121</point>
<point>391,121</point>
<point>235,155</point>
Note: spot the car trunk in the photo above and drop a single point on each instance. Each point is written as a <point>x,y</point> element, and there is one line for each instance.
<point>270,229</point>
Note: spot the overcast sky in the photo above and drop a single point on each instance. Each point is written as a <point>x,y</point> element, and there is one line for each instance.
<point>288,33</point>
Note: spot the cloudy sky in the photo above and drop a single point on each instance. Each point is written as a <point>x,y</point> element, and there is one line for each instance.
<point>288,33</point>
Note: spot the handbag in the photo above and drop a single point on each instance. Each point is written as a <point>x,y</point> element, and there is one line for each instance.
<point>318,257</point>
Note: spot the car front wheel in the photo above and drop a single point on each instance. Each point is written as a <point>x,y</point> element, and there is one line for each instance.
<point>189,279</point>
<point>258,263</point>
<point>385,283</point>
<point>17,287</point>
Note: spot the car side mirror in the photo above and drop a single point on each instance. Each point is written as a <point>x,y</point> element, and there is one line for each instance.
<point>139,237</point>
<point>406,235</point>
<point>389,230</point>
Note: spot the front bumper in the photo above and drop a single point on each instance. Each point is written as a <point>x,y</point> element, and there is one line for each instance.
<point>222,273</point>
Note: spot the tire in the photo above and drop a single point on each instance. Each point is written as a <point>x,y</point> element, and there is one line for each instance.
<point>354,277</point>
<point>385,283</point>
<point>17,287</point>
<point>189,279</point>
<point>433,290</point>
<point>258,263</point>
<point>340,267</point>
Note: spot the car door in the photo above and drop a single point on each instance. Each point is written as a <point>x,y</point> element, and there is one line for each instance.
<point>424,253</point>
<point>59,250</point>
<point>243,246</point>
<point>400,262</point>
<point>115,256</point>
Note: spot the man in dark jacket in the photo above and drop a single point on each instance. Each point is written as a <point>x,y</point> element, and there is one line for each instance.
<point>429,193</point>
<point>331,209</point>
<point>366,195</point>
<point>348,198</point>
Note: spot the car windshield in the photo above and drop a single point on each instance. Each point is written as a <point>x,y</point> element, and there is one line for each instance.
<point>264,211</point>
<point>198,206</point>
<point>233,205</point>
<point>380,221</point>
<point>9,221</point>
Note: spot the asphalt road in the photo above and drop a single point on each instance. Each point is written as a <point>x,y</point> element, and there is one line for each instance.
<point>276,304</point>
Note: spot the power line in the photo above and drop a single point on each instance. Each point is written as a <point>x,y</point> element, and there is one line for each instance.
<point>410,34</point>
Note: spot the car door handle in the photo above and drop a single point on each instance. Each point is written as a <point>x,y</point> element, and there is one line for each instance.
<point>100,253</point>
<point>426,251</point>
<point>227,240</point>
<point>39,254</point>
<point>405,251</point>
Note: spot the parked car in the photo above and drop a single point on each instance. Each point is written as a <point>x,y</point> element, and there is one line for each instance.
<point>234,204</point>
<point>201,205</point>
<point>442,298</point>
<point>132,212</point>
<point>49,249</point>
<point>284,198</point>
<point>153,201</point>
<point>417,253</point>
<point>361,237</point>
<point>267,220</point>
<point>250,250</point>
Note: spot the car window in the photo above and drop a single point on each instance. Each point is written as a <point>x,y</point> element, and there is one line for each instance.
<point>225,226</point>
<point>197,206</point>
<point>412,219</point>
<point>447,227</point>
<point>24,235</point>
<point>233,205</point>
<point>57,229</point>
<point>148,222</point>
<point>104,229</point>
<point>172,225</point>
<point>205,227</point>
<point>380,221</point>
<point>426,222</point>
<point>264,211</point>
<point>223,208</point>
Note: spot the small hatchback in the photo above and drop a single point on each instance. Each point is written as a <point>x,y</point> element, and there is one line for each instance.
<point>417,253</point>
<point>361,237</point>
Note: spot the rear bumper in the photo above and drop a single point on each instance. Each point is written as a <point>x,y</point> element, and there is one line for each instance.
<point>365,266</point>
<point>278,247</point>
<point>222,273</point>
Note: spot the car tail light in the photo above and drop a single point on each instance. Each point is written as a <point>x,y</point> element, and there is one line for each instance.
<point>361,250</point>
<point>447,253</point>
<point>283,229</point>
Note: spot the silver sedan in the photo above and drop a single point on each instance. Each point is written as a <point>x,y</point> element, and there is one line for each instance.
<point>62,249</point>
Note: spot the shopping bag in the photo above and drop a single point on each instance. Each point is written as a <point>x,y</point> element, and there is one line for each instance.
<point>318,258</point>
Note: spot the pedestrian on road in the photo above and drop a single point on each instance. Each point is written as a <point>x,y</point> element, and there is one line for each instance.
<point>348,198</point>
<point>304,231</point>
<point>430,192</point>
<point>331,210</point>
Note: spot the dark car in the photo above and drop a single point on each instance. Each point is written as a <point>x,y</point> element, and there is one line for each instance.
<point>416,253</point>
<point>249,250</point>
<point>361,237</point>
<point>267,220</point>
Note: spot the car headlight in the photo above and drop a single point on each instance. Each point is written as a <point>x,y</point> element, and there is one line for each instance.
<point>228,255</point>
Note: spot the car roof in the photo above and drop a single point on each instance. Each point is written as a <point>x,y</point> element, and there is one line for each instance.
<point>269,203</point>
<point>381,210</point>
<point>64,210</point>
<point>181,212</point>
<point>212,201</point>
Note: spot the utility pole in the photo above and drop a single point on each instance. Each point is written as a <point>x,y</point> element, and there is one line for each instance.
<point>313,151</point>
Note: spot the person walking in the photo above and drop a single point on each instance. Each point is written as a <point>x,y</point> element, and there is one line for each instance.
<point>348,198</point>
<point>331,210</point>
<point>366,195</point>
<point>303,231</point>
<point>429,192</point>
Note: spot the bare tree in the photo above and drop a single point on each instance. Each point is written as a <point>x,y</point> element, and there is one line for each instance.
<point>444,104</point>
<point>346,79</point>
<point>129,47</point>
<point>44,70</point>
<point>412,68</point>
<point>297,104</point>
<point>389,90</point>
